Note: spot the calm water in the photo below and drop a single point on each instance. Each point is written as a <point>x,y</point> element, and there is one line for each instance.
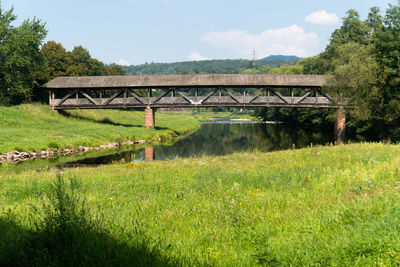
<point>218,138</point>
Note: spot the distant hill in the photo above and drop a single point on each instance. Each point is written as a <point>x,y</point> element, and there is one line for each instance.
<point>281,57</point>
<point>207,66</point>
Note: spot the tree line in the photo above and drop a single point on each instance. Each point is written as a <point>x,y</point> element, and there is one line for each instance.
<point>209,66</point>
<point>363,56</point>
<point>26,63</point>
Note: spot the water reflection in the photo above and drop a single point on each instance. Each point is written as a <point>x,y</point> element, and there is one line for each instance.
<point>149,153</point>
<point>224,138</point>
<point>221,138</point>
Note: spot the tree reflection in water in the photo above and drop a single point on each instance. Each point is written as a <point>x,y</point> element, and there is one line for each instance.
<point>222,139</point>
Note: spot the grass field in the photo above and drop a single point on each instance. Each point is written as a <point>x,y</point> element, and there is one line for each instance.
<point>322,206</point>
<point>35,127</point>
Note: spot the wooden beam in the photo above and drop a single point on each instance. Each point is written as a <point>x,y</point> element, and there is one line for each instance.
<point>63,99</point>
<point>279,95</point>
<point>161,96</point>
<point>113,97</point>
<point>185,97</point>
<point>303,97</point>
<point>231,95</point>
<point>327,96</point>
<point>255,97</point>
<point>135,96</point>
<point>208,95</point>
<point>89,98</point>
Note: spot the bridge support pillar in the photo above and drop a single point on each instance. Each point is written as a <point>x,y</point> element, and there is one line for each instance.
<point>149,118</point>
<point>149,153</point>
<point>340,126</point>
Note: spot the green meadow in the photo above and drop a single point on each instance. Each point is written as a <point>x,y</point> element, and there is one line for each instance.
<point>319,206</point>
<point>35,127</point>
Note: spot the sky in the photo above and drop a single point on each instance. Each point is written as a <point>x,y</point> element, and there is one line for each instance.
<point>138,31</point>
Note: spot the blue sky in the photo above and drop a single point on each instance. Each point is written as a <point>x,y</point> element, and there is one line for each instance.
<point>138,31</point>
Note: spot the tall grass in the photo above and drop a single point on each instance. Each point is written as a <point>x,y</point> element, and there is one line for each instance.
<point>323,206</point>
<point>65,232</point>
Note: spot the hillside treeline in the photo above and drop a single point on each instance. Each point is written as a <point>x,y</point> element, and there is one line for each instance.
<point>210,66</point>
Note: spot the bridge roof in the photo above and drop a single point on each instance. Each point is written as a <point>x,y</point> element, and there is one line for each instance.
<point>187,81</point>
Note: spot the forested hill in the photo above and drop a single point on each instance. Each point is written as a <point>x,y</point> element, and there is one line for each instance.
<point>208,66</point>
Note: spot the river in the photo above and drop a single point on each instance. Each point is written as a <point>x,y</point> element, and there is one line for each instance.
<point>222,137</point>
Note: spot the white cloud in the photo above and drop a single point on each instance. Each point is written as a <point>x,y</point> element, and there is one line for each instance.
<point>197,57</point>
<point>322,18</point>
<point>292,40</point>
<point>123,62</point>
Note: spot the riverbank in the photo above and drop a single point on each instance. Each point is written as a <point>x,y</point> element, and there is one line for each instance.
<point>328,205</point>
<point>32,131</point>
<point>208,116</point>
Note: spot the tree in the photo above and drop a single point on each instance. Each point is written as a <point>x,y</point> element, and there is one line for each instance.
<point>352,30</point>
<point>57,58</point>
<point>386,42</point>
<point>357,74</point>
<point>374,20</point>
<point>20,57</point>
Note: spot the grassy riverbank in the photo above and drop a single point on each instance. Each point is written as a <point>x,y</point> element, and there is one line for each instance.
<point>35,127</point>
<point>209,116</point>
<point>315,206</point>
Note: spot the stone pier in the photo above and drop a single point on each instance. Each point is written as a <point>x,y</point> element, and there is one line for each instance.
<point>149,118</point>
<point>340,126</point>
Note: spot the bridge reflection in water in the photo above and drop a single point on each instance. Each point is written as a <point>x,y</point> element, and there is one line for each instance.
<point>149,155</point>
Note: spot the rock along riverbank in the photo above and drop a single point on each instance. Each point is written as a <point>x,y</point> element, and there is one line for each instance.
<point>19,156</point>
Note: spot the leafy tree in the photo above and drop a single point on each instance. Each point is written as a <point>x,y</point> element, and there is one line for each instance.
<point>57,58</point>
<point>314,65</point>
<point>20,57</point>
<point>357,74</point>
<point>374,20</point>
<point>77,62</point>
<point>352,30</point>
<point>386,43</point>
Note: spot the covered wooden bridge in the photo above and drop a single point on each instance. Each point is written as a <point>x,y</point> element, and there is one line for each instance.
<point>195,90</point>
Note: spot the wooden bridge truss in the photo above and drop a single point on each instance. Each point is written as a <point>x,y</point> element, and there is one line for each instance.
<point>176,97</point>
<point>218,90</point>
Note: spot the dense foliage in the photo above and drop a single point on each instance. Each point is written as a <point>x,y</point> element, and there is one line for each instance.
<point>20,59</point>
<point>25,64</point>
<point>77,62</point>
<point>212,66</point>
<point>364,59</point>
